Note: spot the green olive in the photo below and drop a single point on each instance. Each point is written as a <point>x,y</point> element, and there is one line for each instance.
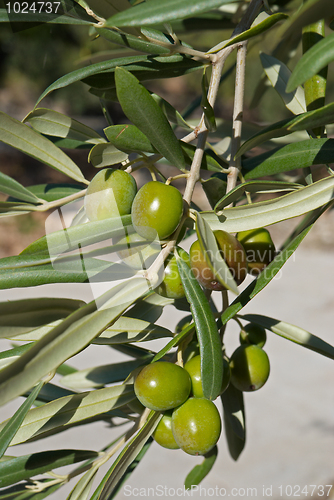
<point>171,285</point>
<point>193,367</point>
<point>162,385</point>
<point>110,194</point>
<point>259,248</point>
<point>163,434</point>
<point>196,426</point>
<point>232,252</point>
<point>156,210</point>
<point>253,334</point>
<point>249,368</point>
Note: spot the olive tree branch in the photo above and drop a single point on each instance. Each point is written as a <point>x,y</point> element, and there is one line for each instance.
<point>201,132</point>
<point>238,108</point>
<point>218,61</point>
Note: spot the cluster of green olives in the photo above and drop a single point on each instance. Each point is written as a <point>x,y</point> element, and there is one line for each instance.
<point>156,211</point>
<point>249,252</point>
<point>190,421</point>
<point>249,363</point>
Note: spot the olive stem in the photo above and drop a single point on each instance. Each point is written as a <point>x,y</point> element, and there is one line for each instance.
<point>175,177</point>
<point>235,163</point>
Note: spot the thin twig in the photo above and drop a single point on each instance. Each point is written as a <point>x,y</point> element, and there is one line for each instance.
<point>238,109</point>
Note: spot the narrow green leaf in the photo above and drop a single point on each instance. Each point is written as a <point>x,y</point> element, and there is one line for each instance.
<point>315,59</point>
<point>234,420</point>
<point>124,39</point>
<point>98,376</point>
<point>82,489</point>
<point>127,329</point>
<point>254,187</point>
<point>140,107</point>
<point>14,353</point>
<point>207,332</point>
<point>68,338</point>
<point>199,472</point>
<point>8,432</point>
<point>251,32</point>
<point>264,278</point>
<point>162,12</point>
<point>49,122</point>
<point>104,155</point>
<point>129,138</point>
<point>279,74</point>
<point>148,69</point>
<point>176,340</point>
<point>55,191</point>
<point>212,255</point>
<point>15,189</point>
<point>293,333</point>
<point>26,466</point>
<point>171,113</point>
<point>51,392</point>
<point>110,481</point>
<point>149,308</point>
<point>29,313</point>
<point>304,121</point>
<point>70,238</point>
<point>132,467</point>
<point>264,213</point>
<point>20,136</point>
<point>316,118</point>
<point>298,155</point>
<point>80,74</point>
<point>32,270</point>
<point>209,114</point>
<point>60,414</point>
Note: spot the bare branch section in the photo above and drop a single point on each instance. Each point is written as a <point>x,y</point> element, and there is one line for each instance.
<point>238,110</point>
<point>201,132</point>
